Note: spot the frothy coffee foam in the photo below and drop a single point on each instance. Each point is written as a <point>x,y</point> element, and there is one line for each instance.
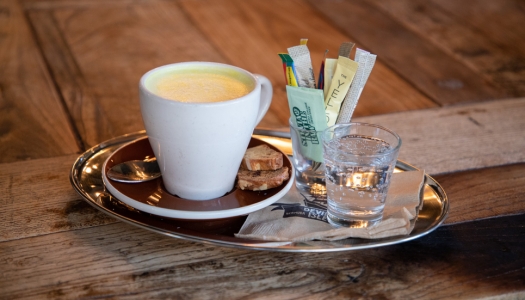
<point>200,87</point>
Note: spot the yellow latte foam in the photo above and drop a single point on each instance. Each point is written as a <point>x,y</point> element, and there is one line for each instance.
<point>200,87</point>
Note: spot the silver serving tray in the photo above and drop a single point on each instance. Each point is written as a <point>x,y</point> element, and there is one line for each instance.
<point>86,178</point>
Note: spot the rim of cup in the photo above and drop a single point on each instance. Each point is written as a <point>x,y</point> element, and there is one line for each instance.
<point>143,87</point>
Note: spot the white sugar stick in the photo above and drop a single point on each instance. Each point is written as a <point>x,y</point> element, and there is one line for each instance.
<point>303,64</point>
<point>366,62</point>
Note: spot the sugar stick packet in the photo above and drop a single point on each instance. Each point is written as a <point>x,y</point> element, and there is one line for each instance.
<point>366,62</point>
<point>329,70</point>
<point>288,64</point>
<point>303,65</point>
<point>346,48</point>
<point>370,62</point>
<point>307,112</point>
<point>330,63</point>
<point>343,76</point>
<point>352,95</point>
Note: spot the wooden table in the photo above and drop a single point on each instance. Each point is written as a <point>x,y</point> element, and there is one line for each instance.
<point>450,79</point>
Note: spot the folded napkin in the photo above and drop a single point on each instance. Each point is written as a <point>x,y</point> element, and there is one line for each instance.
<point>298,217</point>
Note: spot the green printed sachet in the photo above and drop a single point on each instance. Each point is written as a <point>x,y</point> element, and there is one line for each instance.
<point>308,113</point>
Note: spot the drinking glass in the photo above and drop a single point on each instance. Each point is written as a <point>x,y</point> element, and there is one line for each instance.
<point>359,161</point>
<point>308,160</point>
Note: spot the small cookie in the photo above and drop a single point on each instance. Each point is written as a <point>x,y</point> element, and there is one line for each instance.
<point>261,180</point>
<point>262,158</point>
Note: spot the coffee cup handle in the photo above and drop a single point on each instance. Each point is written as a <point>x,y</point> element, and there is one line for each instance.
<point>266,96</point>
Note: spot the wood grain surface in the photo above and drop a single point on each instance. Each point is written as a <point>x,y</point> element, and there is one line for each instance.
<point>122,261</point>
<point>458,28</point>
<point>33,123</point>
<point>410,53</point>
<point>505,16</point>
<point>460,138</point>
<point>449,79</point>
<point>271,22</point>
<point>486,193</point>
<point>97,68</point>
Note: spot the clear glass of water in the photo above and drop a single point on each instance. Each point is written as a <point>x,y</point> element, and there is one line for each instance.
<point>308,160</point>
<point>359,160</point>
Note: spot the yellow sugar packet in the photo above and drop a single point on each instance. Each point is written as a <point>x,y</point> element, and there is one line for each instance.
<point>329,69</point>
<point>303,42</point>
<point>343,76</point>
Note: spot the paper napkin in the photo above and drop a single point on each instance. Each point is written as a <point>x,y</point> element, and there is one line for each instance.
<point>298,217</point>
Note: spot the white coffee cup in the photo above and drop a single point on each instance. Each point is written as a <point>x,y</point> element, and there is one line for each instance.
<point>199,145</point>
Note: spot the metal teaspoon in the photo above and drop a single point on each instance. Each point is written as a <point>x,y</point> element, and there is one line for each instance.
<point>135,171</point>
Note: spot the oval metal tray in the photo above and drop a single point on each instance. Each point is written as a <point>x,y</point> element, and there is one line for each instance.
<point>86,178</point>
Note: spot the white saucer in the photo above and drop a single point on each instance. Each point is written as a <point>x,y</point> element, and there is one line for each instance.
<point>152,197</point>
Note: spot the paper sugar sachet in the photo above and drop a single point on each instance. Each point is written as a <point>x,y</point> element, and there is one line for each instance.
<point>302,217</point>
<point>366,62</point>
<point>307,112</point>
<point>306,103</point>
<point>337,91</point>
<point>341,81</point>
<point>329,69</point>
<point>305,72</point>
<point>346,49</point>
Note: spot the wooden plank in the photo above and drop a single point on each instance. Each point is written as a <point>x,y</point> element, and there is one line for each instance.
<point>36,198</point>
<point>250,34</point>
<point>473,260</point>
<point>33,122</point>
<point>445,140</point>
<point>61,4</point>
<point>83,106</point>
<point>486,193</point>
<point>98,53</point>
<point>493,51</point>
<point>437,74</point>
<point>460,138</point>
<point>501,21</point>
